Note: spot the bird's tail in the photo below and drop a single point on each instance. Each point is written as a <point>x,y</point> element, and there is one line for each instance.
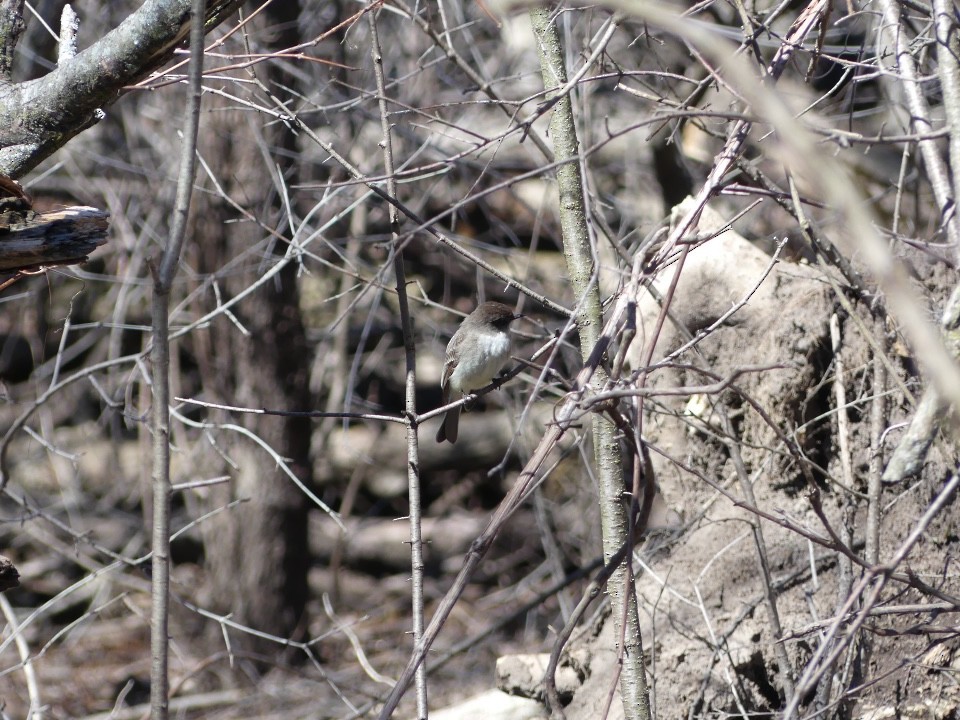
<point>450,426</point>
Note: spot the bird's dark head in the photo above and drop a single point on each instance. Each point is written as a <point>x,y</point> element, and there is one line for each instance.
<point>496,314</point>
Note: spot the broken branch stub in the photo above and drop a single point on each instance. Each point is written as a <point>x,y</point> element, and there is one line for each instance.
<point>31,241</point>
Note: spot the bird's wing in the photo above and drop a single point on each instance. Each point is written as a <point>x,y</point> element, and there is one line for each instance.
<point>448,367</point>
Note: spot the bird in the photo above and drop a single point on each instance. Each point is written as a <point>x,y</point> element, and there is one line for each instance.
<point>475,355</point>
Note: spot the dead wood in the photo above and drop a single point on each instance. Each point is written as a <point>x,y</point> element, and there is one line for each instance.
<point>31,241</point>
<point>9,577</point>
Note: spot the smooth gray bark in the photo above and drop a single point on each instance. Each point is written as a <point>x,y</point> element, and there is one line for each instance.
<point>581,268</point>
<point>37,117</point>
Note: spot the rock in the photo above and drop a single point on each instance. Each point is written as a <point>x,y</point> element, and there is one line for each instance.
<point>522,675</point>
<point>493,705</point>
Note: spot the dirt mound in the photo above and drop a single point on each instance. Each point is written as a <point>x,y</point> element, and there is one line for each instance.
<point>733,608</point>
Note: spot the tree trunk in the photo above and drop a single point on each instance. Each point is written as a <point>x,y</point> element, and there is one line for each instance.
<point>257,550</point>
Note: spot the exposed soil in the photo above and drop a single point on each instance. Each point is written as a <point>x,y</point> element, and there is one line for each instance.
<point>703,593</point>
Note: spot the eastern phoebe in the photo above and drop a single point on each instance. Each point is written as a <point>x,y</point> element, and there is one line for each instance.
<point>477,351</point>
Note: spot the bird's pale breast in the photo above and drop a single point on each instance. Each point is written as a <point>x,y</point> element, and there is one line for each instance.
<point>492,353</point>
